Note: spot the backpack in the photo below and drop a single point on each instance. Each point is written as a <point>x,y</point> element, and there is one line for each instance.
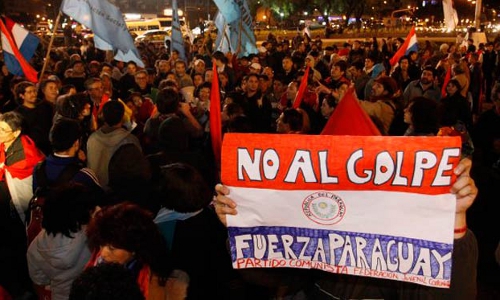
<point>35,208</point>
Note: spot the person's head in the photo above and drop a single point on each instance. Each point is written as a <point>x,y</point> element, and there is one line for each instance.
<point>252,83</point>
<point>338,69</point>
<point>384,86</point>
<point>10,127</point>
<point>268,71</point>
<point>428,75</point>
<point>106,282</point>
<point>65,136</point>
<point>125,233</point>
<point>26,93</point>
<point>141,78</point>
<point>453,87</point>
<point>404,63</point>
<point>209,75</point>
<point>67,208</point>
<point>264,83</point>
<point>67,89</point>
<point>49,89</point>
<point>224,79</point>
<point>220,58</point>
<point>131,67</point>
<point>168,101</point>
<point>204,91</point>
<point>356,69</point>
<point>291,90</point>
<point>328,106</point>
<point>422,115</point>
<point>75,107</point>
<point>94,89</point>
<point>78,68</point>
<point>290,120</point>
<point>173,135</point>
<point>198,78</point>
<point>232,110</point>
<point>183,189</point>
<point>113,112</point>
<point>278,86</point>
<point>287,63</point>
<point>163,66</point>
<point>180,67</point>
<point>369,63</point>
<point>199,66</point>
<point>255,68</point>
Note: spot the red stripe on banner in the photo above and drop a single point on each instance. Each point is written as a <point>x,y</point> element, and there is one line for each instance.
<point>29,72</point>
<point>215,117</point>
<point>319,162</point>
<point>402,50</point>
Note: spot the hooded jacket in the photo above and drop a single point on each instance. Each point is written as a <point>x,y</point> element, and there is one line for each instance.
<point>56,261</point>
<point>101,146</point>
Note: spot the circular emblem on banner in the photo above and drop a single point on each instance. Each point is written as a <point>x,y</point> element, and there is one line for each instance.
<point>324,208</point>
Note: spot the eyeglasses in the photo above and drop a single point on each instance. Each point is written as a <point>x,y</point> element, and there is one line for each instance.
<point>141,78</point>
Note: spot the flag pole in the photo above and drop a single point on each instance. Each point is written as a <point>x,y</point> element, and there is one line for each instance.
<point>47,57</point>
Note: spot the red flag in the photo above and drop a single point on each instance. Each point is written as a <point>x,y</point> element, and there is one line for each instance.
<point>447,78</point>
<point>215,118</point>
<point>302,89</point>
<point>409,44</point>
<point>349,118</point>
<point>13,56</point>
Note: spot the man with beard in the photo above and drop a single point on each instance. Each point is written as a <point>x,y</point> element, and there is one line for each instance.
<point>425,87</point>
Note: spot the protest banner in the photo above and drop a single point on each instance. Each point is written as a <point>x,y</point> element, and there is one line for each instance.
<point>369,206</point>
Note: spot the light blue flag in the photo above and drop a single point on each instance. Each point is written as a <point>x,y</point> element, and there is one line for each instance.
<point>241,36</point>
<point>228,9</point>
<point>177,41</point>
<point>106,21</point>
<point>223,42</point>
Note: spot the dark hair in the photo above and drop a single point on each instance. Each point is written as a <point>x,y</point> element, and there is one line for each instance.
<point>106,282</point>
<point>240,124</point>
<point>358,64</point>
<point>20,88</point>
<point>403,58</point>
<point>91,81</point>
<point>71,106</point>
<point>430,69</point>
<point>113,112</point>
<point>424,115</point>
<point>456,83</point>
<point>331,101</point>
<point>66,88</point>
<point>13,119</point>
<point>67,208</point>
<point>173,135</point>
<point>168,101</point>
<point>127,226</point>
<point>293,118</point>
<point>183,189</point>
<point>64,133</point>
<point>342,65</point>
<point>44,83</point>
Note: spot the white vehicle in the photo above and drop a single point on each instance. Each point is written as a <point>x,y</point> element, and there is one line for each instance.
<point>139,27</point>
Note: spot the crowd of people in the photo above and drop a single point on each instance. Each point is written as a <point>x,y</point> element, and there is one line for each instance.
<point>122,157</point>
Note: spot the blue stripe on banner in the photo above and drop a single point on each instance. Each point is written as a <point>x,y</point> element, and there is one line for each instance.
<point>29,46</point>
<point>12,64</point>
<point>353,249</point>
